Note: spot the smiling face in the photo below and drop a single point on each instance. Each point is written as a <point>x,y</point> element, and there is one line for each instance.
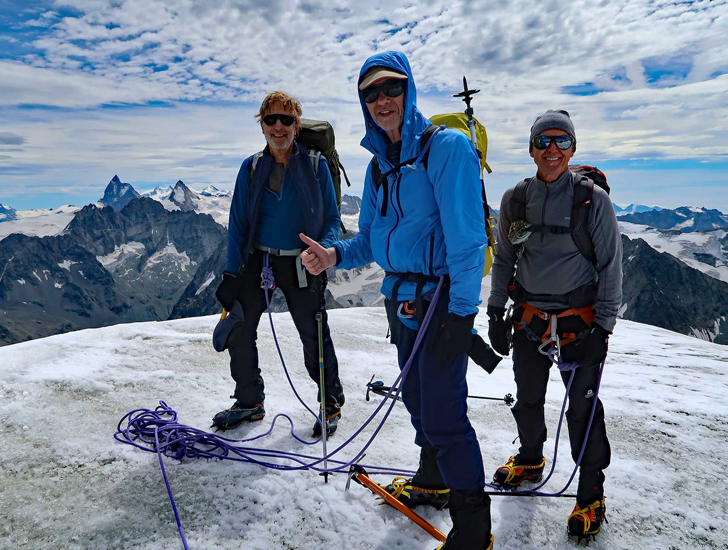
<point>552,161</point>
<point>388,113</point>
<point>278,136</point>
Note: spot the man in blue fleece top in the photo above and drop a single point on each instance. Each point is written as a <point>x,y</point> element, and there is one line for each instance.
<point>424,221</point>
<point>272,192</point>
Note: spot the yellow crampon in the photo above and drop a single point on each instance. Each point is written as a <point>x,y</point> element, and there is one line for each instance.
<point>590,517</point>
<point>518,470</point>
<point>402,486</point>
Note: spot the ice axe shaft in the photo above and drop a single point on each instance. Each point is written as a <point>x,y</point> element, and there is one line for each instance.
<point>359,475</point>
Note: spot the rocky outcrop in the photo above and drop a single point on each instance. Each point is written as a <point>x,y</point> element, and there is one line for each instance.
<point>6,213</point>
<point>350,204</point>
<point>660,290</point>
<point>117,194</point>
<point>143,256</point>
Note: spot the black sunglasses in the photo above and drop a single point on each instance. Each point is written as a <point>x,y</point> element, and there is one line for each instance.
<point>286,120</point>
<point>391,88</point>
<point>544,142</point>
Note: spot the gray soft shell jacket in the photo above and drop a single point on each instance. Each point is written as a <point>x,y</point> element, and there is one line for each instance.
<point>551,263</point>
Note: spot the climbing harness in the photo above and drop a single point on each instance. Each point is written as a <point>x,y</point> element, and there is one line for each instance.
<point>551,340</point>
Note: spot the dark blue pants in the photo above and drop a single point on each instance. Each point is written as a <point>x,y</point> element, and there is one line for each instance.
<point>436,399</point>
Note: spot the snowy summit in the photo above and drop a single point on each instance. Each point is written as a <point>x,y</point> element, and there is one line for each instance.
<point>68,484</point>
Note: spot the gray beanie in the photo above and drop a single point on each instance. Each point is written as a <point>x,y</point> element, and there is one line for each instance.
<point>552,119</point>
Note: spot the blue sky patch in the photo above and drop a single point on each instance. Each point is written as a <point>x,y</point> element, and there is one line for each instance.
<point>587,88</point>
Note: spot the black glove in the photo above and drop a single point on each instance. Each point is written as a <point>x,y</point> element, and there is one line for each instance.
<point>592,348</point>
<point>454,337</point>
<point>498,329</point>
<point>229,289</point>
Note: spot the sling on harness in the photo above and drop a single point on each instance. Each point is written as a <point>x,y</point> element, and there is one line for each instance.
<point>421,279</point>
<point>529,311</point>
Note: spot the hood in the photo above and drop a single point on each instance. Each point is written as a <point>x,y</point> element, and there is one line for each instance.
<point>414,122</point>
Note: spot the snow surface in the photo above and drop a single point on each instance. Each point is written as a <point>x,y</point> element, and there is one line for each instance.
<point>66,483</point>
<point>170,255</point>
<point>39,223</point>
<point>121,254</point>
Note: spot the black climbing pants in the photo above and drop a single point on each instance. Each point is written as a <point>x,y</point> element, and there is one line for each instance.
<point>531,371</point>
<point>303,304</point>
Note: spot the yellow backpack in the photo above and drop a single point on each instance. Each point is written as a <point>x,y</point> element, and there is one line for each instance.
<point>459,121</point>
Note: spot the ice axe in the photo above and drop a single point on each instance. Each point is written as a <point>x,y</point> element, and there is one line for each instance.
<point>467,96</point>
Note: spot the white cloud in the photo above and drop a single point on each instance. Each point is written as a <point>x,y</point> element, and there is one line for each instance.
<point>521,54</point>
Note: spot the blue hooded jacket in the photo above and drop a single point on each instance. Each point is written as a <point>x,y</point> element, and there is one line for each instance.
<point>434,223</point>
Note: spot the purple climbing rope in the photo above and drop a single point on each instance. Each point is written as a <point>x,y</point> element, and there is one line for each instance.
<point>563,367</point>
<point>158,430</point>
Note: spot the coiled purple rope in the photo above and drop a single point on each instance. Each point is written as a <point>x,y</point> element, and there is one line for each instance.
<point>144,427</point>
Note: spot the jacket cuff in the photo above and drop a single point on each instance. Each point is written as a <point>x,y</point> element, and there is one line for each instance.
<point>606,323</point>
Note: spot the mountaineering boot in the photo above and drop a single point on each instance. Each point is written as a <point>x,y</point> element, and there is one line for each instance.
<point>236,415</point>
<point>586,521</point>
<point>513,473</point>
<point>333,414</point>
<point>470,515</point>
<point>426,487</point>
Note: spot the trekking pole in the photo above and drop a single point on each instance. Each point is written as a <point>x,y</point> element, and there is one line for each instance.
<point>324,434</point>
<point>378,388</point>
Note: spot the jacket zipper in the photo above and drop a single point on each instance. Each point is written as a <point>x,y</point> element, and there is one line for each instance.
<point>543,210</point>
<point>389,236</point>
<point>398,183</point>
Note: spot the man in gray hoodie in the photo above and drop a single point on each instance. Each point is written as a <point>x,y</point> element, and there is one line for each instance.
<point>559,253</point>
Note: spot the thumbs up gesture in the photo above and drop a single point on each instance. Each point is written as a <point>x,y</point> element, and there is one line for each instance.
<point>316,258</point>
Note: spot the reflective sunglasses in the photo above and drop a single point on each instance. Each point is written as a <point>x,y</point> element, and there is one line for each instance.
<point>543,142</point>
<point>286,120</point>
<point>391,88</point>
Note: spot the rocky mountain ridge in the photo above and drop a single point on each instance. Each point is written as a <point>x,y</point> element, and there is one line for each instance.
<point>686,219</point>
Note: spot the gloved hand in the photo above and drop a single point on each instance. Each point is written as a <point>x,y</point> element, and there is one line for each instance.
<point>498,329</point>
<point>229,289</point>
<point>592,348</point>
<point>454,337</point>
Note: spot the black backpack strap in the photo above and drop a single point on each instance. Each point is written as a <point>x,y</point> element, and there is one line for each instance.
<point>580,208</point>
<point>380,179</point>
<point>424,139</point>
<point>517,206</point>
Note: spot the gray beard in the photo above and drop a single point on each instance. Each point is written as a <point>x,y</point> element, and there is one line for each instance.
<point>282,148</point>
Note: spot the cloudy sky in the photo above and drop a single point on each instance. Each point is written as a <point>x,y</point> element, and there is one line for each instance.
<point>161,90</point>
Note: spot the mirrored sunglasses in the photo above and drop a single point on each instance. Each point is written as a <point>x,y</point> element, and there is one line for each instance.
<point>543,142</point>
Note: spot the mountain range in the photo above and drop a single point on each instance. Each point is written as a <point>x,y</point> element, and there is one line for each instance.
<point>685,219</point>
<point>160,254</point>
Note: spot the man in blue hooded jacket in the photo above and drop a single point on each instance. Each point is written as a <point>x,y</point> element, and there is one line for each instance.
<point>424,221</point>
<point>278,193</point>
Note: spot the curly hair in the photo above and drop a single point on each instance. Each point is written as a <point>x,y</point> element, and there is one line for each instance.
<point>289,102</point>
